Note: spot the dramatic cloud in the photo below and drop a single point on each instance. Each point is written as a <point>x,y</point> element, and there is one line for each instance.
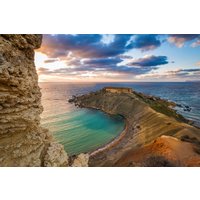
<point>180,39</point>
<point>95,45</point>
<point>145,42</point>
<point>84,46</point>
<point>110,69</point>
<point>149,61</point>
<point>95,55</point>
<point>110,65</point>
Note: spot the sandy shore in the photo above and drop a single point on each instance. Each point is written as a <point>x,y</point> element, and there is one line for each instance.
<point>113,143</point>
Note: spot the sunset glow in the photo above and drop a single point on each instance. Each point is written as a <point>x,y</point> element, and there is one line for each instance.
<point>118,58</point>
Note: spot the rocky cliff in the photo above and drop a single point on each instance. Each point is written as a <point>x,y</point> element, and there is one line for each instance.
<point>23,142</point>
<point>147,118</point>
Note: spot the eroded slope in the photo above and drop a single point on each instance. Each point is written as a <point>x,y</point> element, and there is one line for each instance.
<point>144,122</point>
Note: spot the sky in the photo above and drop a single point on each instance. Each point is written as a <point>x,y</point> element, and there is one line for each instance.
<point>119,58</point>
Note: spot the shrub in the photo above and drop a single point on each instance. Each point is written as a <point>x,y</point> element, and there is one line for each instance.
<point>158,161</point>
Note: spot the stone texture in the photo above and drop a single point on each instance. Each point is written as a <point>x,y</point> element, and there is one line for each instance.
<point>81,160</point>
<point>55,156</point>
<point>23,142</point>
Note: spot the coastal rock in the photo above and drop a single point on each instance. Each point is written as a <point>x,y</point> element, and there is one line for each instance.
<point>81,160</point>
<point>55,156</point>
<point>23,142</point>
<point>147,118</point>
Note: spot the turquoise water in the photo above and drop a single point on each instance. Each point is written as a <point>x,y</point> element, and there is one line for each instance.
<point>84,130</point>
<point>79,130</point>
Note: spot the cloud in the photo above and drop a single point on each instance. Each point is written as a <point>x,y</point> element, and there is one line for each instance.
<point>99,56</point>
<point>149,61</point>
<point>173,75</point>
<point>190,70</point>
<point>191,74</point>
<point>43,70</point>
<point>110,65</point>
<point>84,45</point>
<point>180,39</point>
<point>91,45</point>
<point>125,57</point>
<point>145,42</point>
<point>196,43</point>
<point>50,60</point>
<point>97,62</point>
<point>185,73</point>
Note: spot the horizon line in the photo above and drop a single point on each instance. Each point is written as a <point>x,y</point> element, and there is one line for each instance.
<point>117,81</point>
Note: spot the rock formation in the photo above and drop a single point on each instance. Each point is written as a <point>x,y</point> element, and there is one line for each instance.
<point>23,142</point>
<point>147,118</point>
<point>81,160</point>
<point>165,151</point>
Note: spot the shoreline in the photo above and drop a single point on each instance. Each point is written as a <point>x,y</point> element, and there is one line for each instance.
<point>146,118</point>
<point>113,142</point>
<point>118,138</point>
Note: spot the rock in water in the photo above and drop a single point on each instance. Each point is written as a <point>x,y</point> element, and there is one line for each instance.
<point>23,142</point>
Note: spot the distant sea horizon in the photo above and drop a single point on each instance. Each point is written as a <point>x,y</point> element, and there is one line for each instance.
<point>119,81</point>
<point>83,130</point>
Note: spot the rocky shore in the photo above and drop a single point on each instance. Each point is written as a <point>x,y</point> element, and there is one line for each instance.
<point>23,142</point>
<point>148,119</point>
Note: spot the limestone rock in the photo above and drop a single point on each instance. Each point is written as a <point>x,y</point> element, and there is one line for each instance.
<point>81,160</point>
<point>23,142</point>
<point>55,156</point>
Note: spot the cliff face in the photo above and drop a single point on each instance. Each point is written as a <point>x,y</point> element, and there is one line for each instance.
<point>147,118</point>
<point>23,142</point>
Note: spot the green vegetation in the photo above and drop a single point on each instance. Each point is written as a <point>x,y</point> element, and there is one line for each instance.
<point>158,161</point>
<point>161,106</point>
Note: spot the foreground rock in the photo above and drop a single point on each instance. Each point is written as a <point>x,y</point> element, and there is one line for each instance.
<point>147,118</point>
<point>23,142</point>
<point>81,160</point>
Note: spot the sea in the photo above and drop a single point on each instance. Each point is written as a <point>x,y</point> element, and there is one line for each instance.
<point>83,130</point>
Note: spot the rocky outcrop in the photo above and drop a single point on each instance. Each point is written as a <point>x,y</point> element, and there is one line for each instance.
<point>23,142</point>
<point>165,151</point>
<point>81,160</point>
<point>147,118</point>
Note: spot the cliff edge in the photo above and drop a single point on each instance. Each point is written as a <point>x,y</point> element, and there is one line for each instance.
<point>23,142</point>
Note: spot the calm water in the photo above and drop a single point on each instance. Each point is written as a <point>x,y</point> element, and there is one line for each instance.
<point>79,130</point>
<point>83,130</point>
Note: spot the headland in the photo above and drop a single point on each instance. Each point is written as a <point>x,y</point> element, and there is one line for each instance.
<point>148,119</point>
